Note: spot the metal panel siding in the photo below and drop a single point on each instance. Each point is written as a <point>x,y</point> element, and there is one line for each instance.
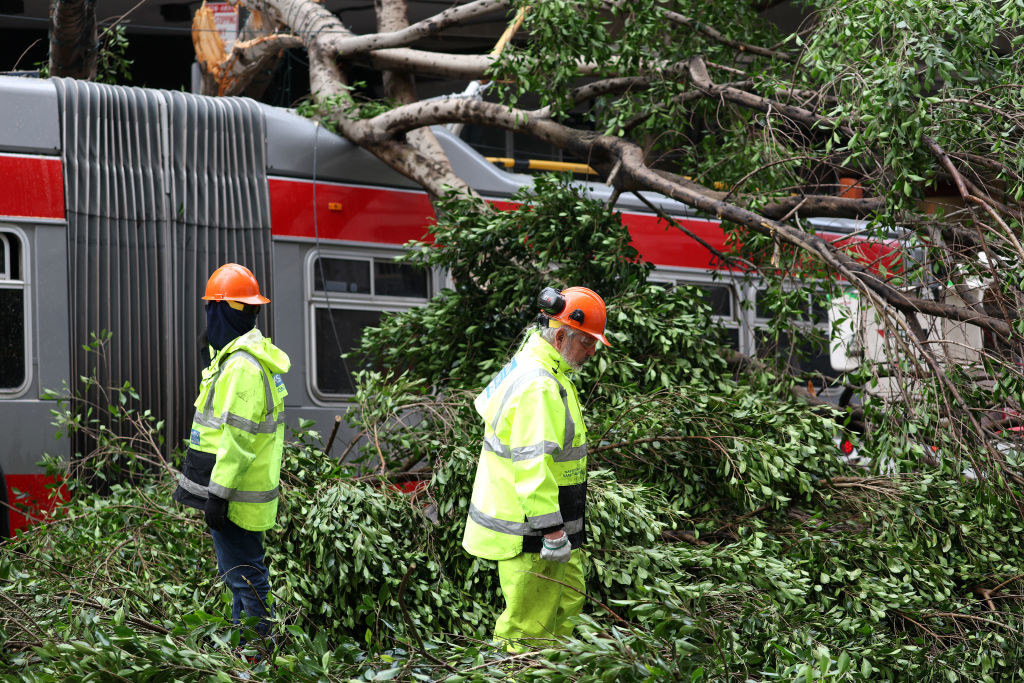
<point>29,113</point>
<point>161,188</point>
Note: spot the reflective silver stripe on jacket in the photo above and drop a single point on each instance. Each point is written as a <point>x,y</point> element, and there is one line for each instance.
<point>573,526</point>
<point>536,450</point>
<point>544,521</point>
<point>268,426</point>
<point>570,454</point>
<point>192,487</point>
<point>236,496</point>
<point>206,417</point>
<point>570,425</point>
<point>233,495</point>
<point>493,444</point>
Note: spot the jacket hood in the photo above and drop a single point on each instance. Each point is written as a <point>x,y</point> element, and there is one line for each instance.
<point>253,341</point>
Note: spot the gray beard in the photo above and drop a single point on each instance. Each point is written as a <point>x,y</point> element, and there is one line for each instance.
<point>575,367</point>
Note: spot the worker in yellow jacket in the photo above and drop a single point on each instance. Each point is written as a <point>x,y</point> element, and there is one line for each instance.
<point>527,510</point>
<point>233,465</point>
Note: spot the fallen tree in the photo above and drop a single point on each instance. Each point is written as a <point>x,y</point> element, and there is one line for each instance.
<point>727,540</point>
<point>709,105</point>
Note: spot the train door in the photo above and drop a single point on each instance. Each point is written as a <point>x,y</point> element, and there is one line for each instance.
<point>34,360</point>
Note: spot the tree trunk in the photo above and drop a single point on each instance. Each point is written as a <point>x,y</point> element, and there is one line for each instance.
<point>73,40</point>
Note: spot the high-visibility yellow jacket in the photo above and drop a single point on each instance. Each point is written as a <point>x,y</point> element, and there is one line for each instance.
<point>532,473</point>
<point>238,432</point>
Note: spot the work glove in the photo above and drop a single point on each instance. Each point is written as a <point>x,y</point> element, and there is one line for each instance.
<point>557,549</point>
<point>216,512</point>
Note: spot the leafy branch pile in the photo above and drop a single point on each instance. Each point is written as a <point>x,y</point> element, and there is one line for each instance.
<point>728,542</point>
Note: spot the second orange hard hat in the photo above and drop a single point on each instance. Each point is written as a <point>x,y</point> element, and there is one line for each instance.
<point>232,282</point>
<point>578,307</point>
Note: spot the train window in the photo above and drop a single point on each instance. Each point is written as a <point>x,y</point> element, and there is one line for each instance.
<point>349,293</point>
<point>808,306</point>
<point>13,348</point>
<point>400,279</point>
<point>342,275</point>
<point>805,353</point>
<point>719,296</point>
<point>373,276</point>
<point>337,332</point>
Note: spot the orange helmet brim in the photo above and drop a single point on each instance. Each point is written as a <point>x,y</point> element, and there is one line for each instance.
<point>255,299</point>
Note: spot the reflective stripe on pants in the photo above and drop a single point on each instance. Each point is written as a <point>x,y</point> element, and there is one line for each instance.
<point>537,611</point>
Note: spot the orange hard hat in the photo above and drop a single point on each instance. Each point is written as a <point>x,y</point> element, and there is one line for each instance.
<point>232,282</point>
<point>578,307</point>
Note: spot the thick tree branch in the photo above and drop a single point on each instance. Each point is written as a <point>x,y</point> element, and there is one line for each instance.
<point>807,119</point>
<point>459,67</point>
<point>810,204</point>
<point>73,50</point>
<point>248,59</point>
<point>347,46</point>
<point>605,151</point>
<point>393,16</point>
<point>718,37</point>
<point>825,205</point>
<point>609,86</point>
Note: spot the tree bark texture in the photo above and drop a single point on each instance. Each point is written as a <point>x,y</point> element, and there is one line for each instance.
<point>73,39</point>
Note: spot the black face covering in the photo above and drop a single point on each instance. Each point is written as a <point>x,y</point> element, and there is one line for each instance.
<point>223,323</point>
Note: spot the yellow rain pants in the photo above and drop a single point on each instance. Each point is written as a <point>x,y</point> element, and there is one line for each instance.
<point>537,611</point>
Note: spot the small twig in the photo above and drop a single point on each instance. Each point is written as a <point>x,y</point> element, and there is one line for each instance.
<point>510,658</point>
<point>24,513</point>
<point>649,439</point>
<point>83,602</point>
<point>408,620</point>
<point>753,513</point>
<point>1008,581</point>
<point>933,634</point>
<point>28,616</point>
<point>334,433</point>
<point>380,453</point>
<point>673,535</point>
<point>986,595</point>
<point>789,214</point>
<point>352,444</point>
<point>971,617</point>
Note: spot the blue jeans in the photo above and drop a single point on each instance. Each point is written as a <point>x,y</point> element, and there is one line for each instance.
<point>240,564</point>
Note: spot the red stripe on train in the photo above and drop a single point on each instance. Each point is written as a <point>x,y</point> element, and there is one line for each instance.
<point>347,212</point>
<point>378,215</point>
<point>32,186</point>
